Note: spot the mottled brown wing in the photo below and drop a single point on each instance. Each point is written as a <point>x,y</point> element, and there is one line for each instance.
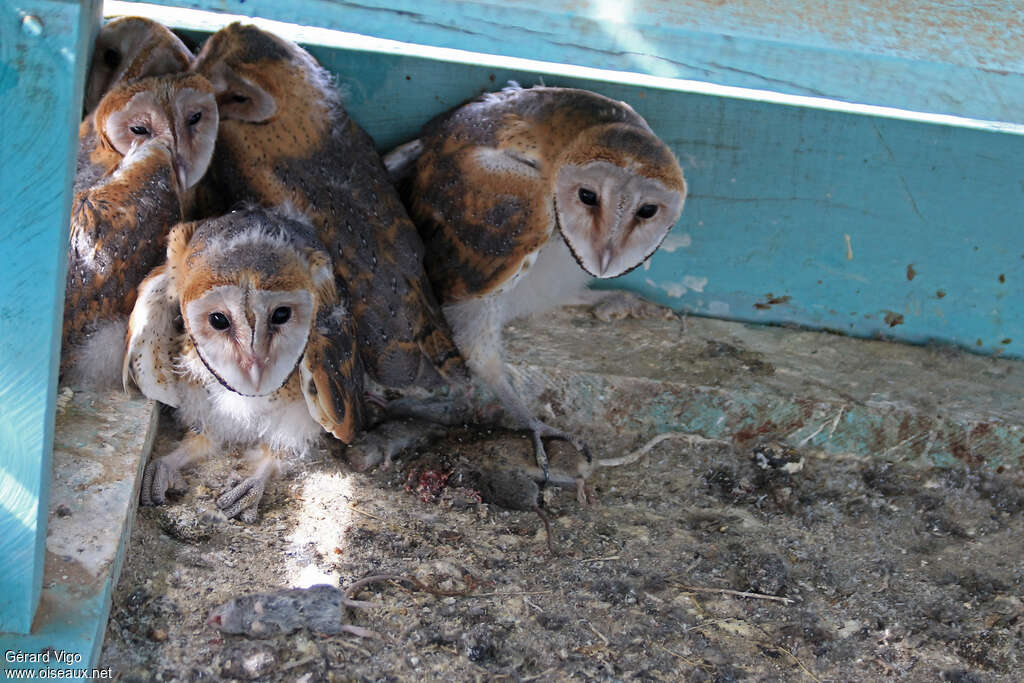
<point>379,254</point>
<point>118,233</point>
<point>478,198</point>
<point>155,334</point>
<point>332,374</point>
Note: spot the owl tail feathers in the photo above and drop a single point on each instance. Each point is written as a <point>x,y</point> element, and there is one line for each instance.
<point>95,363</point>
<point>439,348</point>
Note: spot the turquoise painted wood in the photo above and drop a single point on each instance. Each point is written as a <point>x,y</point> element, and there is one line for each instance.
<point>932,212</point>
<point>43,48</point>
<point>952,57</point>
<point>806,215</point>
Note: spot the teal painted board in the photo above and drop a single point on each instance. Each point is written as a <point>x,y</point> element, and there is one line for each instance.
<point>960,58</point>
<point>102,442</point>
<point>43,45</point>
<point>932,211</point>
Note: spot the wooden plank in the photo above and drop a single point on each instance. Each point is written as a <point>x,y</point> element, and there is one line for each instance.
<point>962,58</point>
<point>43,47</point>
<point>934,249</point>
<point>751,383</point>
<point>101,445</point>
<point>935,253</point>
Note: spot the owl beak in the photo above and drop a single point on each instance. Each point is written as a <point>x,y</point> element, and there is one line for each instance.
<point>256,372</point>
<point>606,259</point>
<point>179,166</point>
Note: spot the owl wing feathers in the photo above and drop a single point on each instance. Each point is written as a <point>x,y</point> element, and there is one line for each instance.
<point>154,340</point>
<point>475,242</point>
<point>117,236</point>
<point>332,374</point>
<point>409,339</point>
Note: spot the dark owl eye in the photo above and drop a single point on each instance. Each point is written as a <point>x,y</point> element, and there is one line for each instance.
<point>219,321</point>
<point>239,98</point>
<point>111,58</point>
<point>280,315</point>
<point>647,210</point>
<point>588,197</point>
<point>194,119</point>
<point>139,130</point>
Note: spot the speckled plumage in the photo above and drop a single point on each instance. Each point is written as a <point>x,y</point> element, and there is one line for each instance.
<point>130,48</point>
<point>482,189</point>
<point>229,266</point>
<point>128,195</point>
<point>520,196</point>
<point>290,140</point>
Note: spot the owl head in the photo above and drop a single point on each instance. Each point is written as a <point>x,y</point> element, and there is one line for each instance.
<point>177,110</point>
<point>130,48</point>
<point>618,191</point>
<point>250,283</point>
<point>252,71</point>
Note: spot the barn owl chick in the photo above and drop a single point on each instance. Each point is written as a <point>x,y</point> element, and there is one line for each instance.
<point>147,143</point>
<point>130,48</point>
<point>521,197</point>
<point>244,333</point>
<point>285,137</point>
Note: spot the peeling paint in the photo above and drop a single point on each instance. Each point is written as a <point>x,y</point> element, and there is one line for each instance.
<point>695,283</point>
<point>718,308</point>
<point>678,289</point>
<point>673,242</point>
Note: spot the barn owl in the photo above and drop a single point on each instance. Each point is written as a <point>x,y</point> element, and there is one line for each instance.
<point>243,331</point>
<point>285,137</point>
<point>130,48</point>
<point>147,143</point>
<point>521,197</point>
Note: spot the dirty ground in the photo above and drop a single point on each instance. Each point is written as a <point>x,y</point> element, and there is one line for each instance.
<point>705,560</point>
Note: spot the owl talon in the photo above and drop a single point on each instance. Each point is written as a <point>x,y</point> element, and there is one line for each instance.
<point>159,479</point>
<point>243,500</point>
<point>542,431</point>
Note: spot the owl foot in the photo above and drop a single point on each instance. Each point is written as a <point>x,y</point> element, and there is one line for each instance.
<point>540,431</point>
<point>616,305</point>
<point>162,476</point>
<point>243,500</point>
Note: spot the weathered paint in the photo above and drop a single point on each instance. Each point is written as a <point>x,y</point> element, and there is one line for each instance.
<point>962,58</point>
<point>775,190</point>
<point>746,384</point>
<point>101,443</point>
<point>43,47</point>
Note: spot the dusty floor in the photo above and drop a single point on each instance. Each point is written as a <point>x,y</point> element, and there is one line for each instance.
<point>887,571</point>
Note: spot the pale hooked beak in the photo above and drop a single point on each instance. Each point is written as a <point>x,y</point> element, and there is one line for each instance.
<point>182,172</point>
<point>606,259</point>
<point>254,368</point>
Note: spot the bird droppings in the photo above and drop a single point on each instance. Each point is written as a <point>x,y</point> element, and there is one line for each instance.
<point>695,564</point>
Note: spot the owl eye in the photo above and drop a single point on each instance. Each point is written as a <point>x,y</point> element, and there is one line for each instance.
<point>647,210</point>
<point>239,98</point>
<point>219,321</point>
<point>588,197</point>
<point>280,315</point>
<point>139,130</point>
<point>111,58</point>
<point>194,119</point>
